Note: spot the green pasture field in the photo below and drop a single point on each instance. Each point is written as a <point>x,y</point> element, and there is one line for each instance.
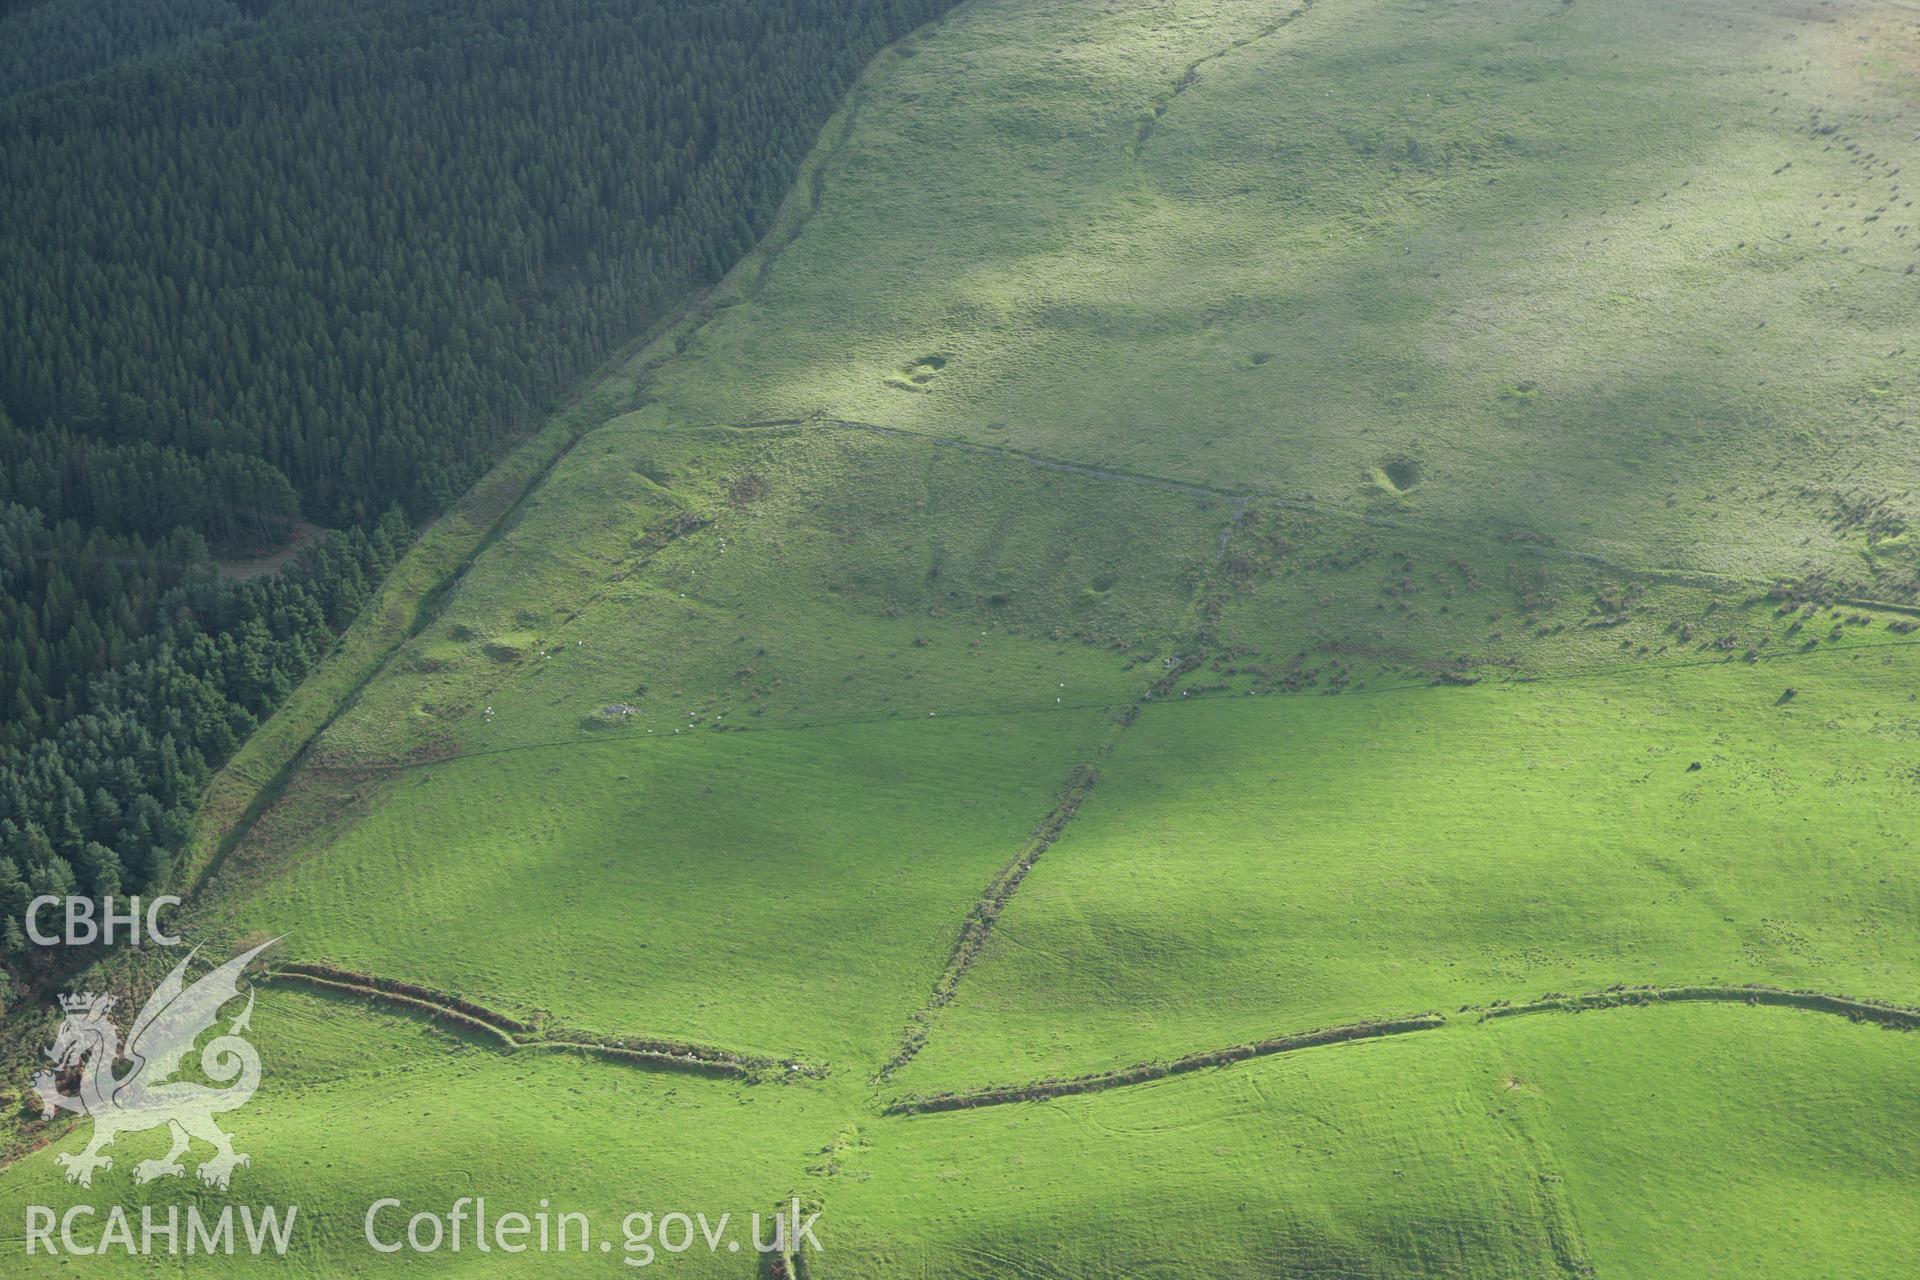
<point>1204,520</point>
<point>693,888</point>
<point>1700,1140</point>
<point>361,1106</point>
<point>1250,867</point>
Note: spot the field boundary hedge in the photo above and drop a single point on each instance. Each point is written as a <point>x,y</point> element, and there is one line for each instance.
<point>514,1034</point>
<point>1877,1012</point>
<point>985,911</point>
<point>1142,1072</point>
<point>1882,1013</point>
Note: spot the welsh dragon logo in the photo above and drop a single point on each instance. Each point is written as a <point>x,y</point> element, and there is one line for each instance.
<point>144,1097</point>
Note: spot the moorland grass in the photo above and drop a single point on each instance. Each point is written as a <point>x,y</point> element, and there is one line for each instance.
<point>1063,392</point>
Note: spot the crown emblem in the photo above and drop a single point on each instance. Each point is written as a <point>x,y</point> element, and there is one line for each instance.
<point>147,1094</point>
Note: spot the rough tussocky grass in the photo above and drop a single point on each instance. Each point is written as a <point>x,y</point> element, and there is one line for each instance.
<point>1458,380</point>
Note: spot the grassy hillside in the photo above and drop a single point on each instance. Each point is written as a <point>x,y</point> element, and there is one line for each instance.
<point>1307,861</point>
<point>1698,1141</point>
<point>1628,277</point>
<point>1203,522</point>
<point>362,1107</point>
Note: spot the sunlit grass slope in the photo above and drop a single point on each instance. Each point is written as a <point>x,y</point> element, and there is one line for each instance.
<point>1722,1141</point>
<point>1370,1159</point>
<point>779,892</point>
<point>1206,519</point>
<point>725,735</point>
<point>1250,867</point>
<point>359,1107</point>
<point>1695,1141</point>
<point>1707,1141</point>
